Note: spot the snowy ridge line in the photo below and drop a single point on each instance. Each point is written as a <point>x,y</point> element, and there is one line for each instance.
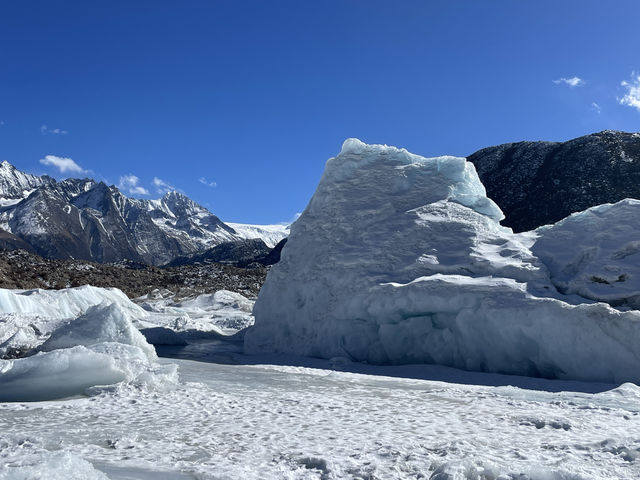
<point>88,220</point>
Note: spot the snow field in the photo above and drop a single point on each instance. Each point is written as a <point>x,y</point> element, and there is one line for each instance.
<point>275,422</point>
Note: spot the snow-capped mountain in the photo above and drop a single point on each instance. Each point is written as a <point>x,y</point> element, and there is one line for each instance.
<point>539,183</point>
<point>269,234</point>
<point>89,220</point>
<point>15,185</point>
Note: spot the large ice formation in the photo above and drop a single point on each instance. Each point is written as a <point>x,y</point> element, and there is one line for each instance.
<point>401,259</point>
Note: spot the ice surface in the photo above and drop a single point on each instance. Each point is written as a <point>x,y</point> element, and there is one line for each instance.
<point>400,259</point>
<point>281,422</point>
<point>595,253</point>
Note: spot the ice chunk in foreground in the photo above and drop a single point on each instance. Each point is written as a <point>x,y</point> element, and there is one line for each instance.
<point>400,259</point>
<point>101,323</point>
<point>101,347</point>
<point>27,317</point>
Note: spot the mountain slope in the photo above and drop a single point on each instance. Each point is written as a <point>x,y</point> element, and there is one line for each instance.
<point>539,183</point>
<point>15,184</point>
<point>271,235</point>
<point>89,220</point>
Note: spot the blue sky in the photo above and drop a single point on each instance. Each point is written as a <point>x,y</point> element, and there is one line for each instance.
<point>239,104</point>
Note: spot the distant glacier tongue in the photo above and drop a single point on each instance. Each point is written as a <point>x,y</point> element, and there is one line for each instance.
<point>400,259</point>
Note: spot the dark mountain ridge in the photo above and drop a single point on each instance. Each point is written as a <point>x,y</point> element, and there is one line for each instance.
<point>89,220</point>
<point>538,183</point>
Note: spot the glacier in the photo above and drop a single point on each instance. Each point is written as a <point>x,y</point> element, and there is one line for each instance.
<point>401,259</point>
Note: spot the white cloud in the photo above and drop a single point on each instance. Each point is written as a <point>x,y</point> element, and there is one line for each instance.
<point>204,181</point>
<point>1,122</point>
<point>571,82</point>
<point>63,164</point>
<point>632,98</point>
<point>162,186</point>
<point>595,107</point>
<point>129,184</point>
<point>56,131</point>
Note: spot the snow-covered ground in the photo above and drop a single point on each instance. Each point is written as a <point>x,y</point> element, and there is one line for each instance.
<point>260,421</point>
<point>229,415</point>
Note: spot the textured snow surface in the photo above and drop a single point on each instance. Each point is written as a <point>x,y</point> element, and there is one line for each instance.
<point>283,422</point>
<point>400,259</point>
<point>269,234</point>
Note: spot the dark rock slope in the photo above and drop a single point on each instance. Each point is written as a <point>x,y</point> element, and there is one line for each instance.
<point>250,253</point>
<point>538,183</point>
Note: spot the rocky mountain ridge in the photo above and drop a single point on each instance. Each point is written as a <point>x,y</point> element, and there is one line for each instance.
<point>539,183</point>
<point>89,220</point>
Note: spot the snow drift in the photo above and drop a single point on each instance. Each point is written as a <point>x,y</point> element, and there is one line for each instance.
<point>401,259</point>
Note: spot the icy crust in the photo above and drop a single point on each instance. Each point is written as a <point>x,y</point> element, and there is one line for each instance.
<point>400,259</point>
<point>79,370</point>
<point>595,253</point>
<point>54,466</point>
